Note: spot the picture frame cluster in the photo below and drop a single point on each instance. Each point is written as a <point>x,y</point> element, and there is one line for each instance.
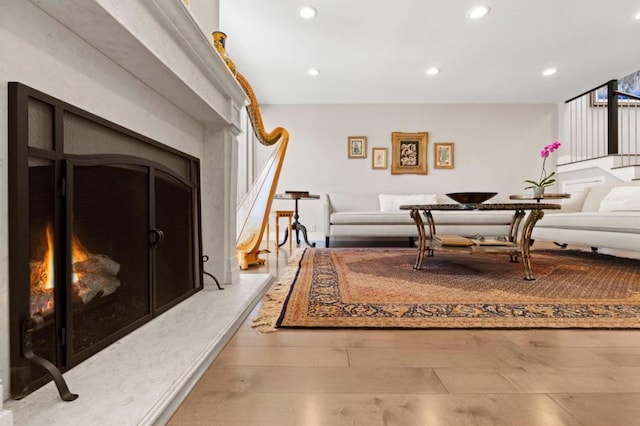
<point>408,153</point>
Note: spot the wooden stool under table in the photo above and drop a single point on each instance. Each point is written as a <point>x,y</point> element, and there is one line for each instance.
<point>278,214</point>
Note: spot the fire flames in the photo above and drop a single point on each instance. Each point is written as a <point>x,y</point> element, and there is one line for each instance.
<point>42,278</point>
<point>92,275</point>
<point>78,254</point>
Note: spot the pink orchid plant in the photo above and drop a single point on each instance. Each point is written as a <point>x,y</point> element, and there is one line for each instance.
<point>545,180</point>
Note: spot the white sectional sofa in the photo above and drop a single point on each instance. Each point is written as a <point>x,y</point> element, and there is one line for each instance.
<point>358,215</point>
<point>603,216</point>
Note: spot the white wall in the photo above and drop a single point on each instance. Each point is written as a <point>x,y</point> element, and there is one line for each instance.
<point>496,148</point>
<point>206,12</point>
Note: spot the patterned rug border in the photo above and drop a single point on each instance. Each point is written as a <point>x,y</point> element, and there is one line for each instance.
<point>272,304</point>
<point>278,298</point>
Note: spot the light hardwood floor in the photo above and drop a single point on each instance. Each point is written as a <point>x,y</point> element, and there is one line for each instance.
<point>419,377</point>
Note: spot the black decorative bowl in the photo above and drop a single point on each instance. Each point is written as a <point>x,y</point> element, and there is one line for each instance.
<point>471,197</point>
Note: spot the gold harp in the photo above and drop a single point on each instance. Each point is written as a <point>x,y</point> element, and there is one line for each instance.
<point>253,210</point>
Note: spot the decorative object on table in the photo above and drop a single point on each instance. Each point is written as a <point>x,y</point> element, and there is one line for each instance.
<point>545,179</point>
<point>357,146</point>
<point>379,158</point>
<point>501,240</point>
<point>443,155</point>
<point>471,197</point>
<point>409,153</point>
<point>453,240</point>
<point>377,287</point>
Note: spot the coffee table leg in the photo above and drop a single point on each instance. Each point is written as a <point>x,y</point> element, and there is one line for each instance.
<point>513,231</point>
<point>432,230</point>
<point>422,243</point>
<point>525,244</point>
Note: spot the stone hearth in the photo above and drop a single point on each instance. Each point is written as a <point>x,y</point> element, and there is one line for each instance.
<point>142,378</point>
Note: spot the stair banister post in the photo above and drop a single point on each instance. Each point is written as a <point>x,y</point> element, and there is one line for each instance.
<point>612,117</point>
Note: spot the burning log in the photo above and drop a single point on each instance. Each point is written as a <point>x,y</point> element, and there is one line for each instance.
<point>95,275</point>
<point>41,286</point>
<point>39,275</point>
<point>90,285</point>
<point>97,264</point>
<point>41,301</point>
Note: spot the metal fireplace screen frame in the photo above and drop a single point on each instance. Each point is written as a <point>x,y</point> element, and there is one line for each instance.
<point>45,130</point>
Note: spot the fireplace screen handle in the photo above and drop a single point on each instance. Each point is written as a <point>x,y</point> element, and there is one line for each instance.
<point>156,237</point>
<point>30,325</point>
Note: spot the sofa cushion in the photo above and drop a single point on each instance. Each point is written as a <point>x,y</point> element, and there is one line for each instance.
<point>472,217</point>
<point>371,218</point>
<point>572,204</point>
<point>391,202</point>
<point>440,217</point>
<point>598,192</point>
<point>622,198</point>
<point>353,201</point>
<point>627,222</point>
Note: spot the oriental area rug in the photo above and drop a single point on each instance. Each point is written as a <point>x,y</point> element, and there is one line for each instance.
<point>378,288</point>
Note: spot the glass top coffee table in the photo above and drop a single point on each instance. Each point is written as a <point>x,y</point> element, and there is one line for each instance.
<point>513,246</point>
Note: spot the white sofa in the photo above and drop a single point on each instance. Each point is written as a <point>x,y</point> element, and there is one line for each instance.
<point>359,215</point>
<point>603,216</point>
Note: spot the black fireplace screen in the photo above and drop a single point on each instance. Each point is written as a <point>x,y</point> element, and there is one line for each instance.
<point>104,232</point>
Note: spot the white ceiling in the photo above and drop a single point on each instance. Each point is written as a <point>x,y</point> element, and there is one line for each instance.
<point>377,51</point>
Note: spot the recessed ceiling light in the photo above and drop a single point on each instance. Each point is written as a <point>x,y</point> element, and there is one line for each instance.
<point>549,71</point>
<point>478,12</point>
<point>313,72</point>
<point>432,71</point>
<point>637,15</point>
<point>307,12</point>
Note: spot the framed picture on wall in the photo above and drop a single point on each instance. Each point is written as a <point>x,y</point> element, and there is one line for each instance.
<point>409,153</point>
<point>357,146</point>
<point>628,84</point>
<point>443,155</point>
<point>379,158</point>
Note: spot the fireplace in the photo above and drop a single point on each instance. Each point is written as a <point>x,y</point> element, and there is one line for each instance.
<point>104,233</point>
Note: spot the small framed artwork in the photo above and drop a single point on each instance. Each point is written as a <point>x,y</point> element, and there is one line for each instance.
<point>443,155</point>
<point>357,146</point>
<point>409,153</point>
<point>379,158</point>
<point>628,84</point>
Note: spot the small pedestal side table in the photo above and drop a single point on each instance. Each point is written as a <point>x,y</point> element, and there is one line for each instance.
<point>296,225</point>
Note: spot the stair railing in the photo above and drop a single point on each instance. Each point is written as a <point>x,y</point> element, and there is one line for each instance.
<point>591,134</point>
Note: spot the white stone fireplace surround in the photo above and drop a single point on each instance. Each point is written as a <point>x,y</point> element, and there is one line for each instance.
<point>147,66</point>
